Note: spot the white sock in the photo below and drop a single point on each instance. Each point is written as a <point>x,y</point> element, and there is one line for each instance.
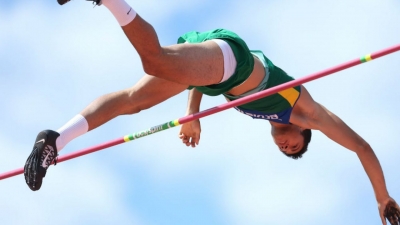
<point>71,130</point>
<point>121,11</point>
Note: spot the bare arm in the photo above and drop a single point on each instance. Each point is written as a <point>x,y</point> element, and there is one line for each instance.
<point>315,116</point>
<point>194,101</point>
<point>334,128</point>
<point>190,132</point>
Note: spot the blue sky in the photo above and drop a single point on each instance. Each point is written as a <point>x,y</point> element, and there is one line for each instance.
<point>55,60</point>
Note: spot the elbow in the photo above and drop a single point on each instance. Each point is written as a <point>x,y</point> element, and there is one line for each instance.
<point>363,147</point>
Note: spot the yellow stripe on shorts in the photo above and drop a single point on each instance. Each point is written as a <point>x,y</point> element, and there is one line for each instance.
<point>291,95</point>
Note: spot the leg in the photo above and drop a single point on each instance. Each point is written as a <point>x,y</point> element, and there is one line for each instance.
<point>190,64</point>
<point>148,92</point>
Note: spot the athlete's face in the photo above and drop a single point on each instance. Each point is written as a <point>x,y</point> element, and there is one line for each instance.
<point>289,140</point>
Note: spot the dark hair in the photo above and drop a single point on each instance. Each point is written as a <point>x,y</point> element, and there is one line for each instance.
<point>306,133</point>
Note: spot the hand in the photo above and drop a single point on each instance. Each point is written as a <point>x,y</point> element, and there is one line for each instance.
<point>190,133</point>
<point>390,210</point>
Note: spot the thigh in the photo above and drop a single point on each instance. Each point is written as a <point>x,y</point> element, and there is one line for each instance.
<point>197,64</point>
<point>150,91</point>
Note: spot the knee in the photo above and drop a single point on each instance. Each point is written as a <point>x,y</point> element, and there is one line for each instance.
<point>135,103</point>
<point>133,108</point>
<point>150,67</point>
<point>363,147</point>
<point>136,108</point>
<point>153,63</point>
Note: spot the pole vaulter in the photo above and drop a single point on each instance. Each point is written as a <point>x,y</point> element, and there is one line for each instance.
<point>216,109</point>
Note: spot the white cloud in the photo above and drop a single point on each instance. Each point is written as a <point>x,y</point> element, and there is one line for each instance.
<point>78,53</point>
<point>76,193</point>
<point>289,199</point>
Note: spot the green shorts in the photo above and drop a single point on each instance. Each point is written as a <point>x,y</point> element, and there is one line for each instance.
<point>244,59</point>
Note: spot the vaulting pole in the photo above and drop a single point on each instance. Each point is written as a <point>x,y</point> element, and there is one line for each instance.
<point>217,109</point>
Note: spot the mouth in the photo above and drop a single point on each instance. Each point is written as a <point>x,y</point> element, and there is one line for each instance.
<point>282,142</point>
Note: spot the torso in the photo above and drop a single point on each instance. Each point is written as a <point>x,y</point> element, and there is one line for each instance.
<point>252,82</point>
<point>255,78</point>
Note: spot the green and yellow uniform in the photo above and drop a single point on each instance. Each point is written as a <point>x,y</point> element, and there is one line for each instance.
<point>276,107</point>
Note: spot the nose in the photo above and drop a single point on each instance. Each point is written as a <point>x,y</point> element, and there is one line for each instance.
<point>283,147</point>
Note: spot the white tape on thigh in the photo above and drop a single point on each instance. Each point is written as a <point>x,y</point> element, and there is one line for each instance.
<point>229,59</point>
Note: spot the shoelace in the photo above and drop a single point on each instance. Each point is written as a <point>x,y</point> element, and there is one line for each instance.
<point>95,2</point>
<point>50,155</point>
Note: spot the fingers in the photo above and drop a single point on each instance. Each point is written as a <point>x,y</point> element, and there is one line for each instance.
<point>392,213</point>
<point>383,219</point>
<point>190,133</point>
<point>396,216</point>
<point>195,140</point>
<point>185,139</point>
<point>190,140</point>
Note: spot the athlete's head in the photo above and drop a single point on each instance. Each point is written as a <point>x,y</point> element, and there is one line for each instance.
<point>292,140</point>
